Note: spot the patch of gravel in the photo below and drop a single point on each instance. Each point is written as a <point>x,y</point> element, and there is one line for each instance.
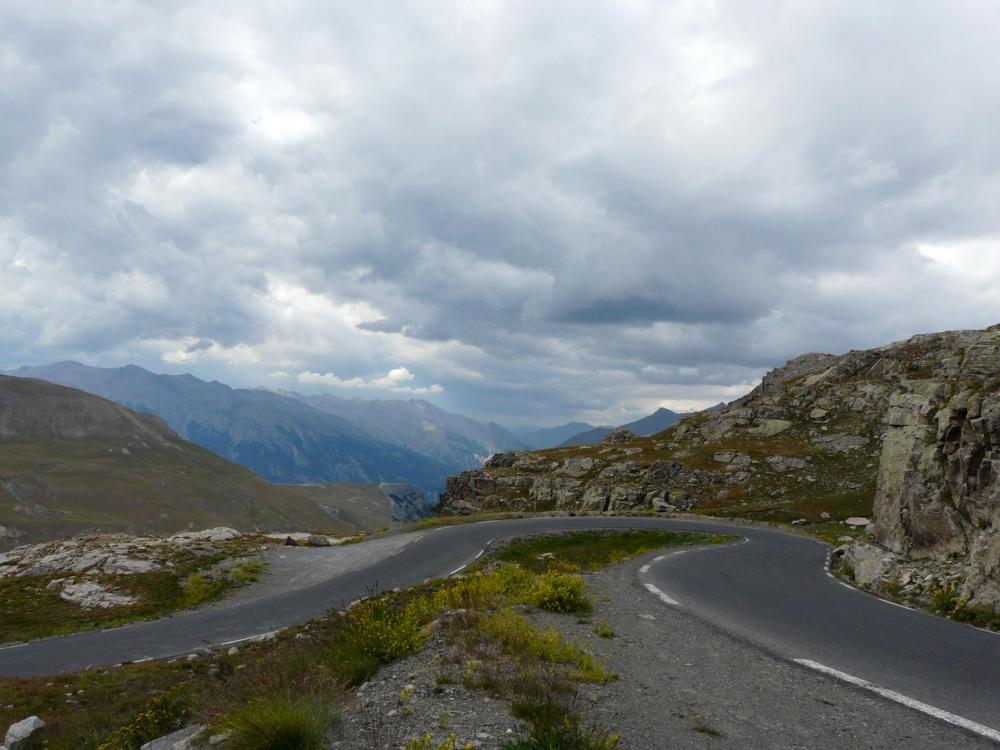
<point>685,685</point>
<point>292,568</point>
<point>379,718</point>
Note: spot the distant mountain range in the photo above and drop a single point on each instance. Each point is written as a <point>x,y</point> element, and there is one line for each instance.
<point>658,421</point>
<point>539,438</point>
<point>283,439</point>
<point>71,461</point>
<point>457,442</point>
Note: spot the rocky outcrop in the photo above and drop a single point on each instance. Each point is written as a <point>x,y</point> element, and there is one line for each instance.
<point>908,433</point>
<point>90,595</point>
<point>84,569</point>
<point>406,502</point>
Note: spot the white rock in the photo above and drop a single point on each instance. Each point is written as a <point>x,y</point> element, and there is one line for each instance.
<point>25,734</point>
<point>183,739</point>
<point>89,595</point>
<point>857,522</point>
<point>218,534</point>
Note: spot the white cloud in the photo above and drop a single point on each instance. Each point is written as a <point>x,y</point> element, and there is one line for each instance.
<point>394,381</point>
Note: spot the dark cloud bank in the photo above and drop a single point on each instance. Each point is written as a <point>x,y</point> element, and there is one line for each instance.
<point>525,212</point>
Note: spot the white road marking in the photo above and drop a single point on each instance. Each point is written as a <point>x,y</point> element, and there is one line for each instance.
<point>13,645</point>
<point>937,713</point>
<point>666,599</point>
<point>659,559</point>
<point>459,569</point>
<point>644,569</point>
<point>264,636</point>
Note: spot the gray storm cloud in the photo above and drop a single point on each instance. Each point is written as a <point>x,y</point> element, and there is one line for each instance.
<point>537,211</point>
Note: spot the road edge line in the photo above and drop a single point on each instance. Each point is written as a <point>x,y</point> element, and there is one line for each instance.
<point>937,713</point>
<point>663,596</point>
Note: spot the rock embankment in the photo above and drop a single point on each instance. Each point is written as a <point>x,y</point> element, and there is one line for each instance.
<point>909,432</point>
<point>79,568</point>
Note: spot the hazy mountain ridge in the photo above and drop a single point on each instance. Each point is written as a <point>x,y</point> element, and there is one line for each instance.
<point>550,437</point>
<point>71,461</point>
<point>452,439</point>
<point>281,438</point>
<point>659,420</point>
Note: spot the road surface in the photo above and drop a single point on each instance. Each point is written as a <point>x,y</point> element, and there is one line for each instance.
<point>772,589</point>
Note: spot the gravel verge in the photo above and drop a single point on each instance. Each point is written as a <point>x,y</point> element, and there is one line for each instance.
<point>684,684</point>
<point>292,568</point>
<point>381,718</point>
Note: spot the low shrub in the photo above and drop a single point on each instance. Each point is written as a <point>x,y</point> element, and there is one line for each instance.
<point>373,633</point>
<point>604,630</point>
<point>281,722</point>
<point>561,592</point>
<point>164,714</point>
<point>518,636</point>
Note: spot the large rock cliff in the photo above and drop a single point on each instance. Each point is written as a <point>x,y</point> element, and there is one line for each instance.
<point>909,433</point>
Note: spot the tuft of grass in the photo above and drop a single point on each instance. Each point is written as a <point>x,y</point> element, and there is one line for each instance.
<point>427,743</point>
<point>282,722</point>
<point>707,730</point>
<point>604,630</point>
<point>518,636</point>
<point>567,734</point>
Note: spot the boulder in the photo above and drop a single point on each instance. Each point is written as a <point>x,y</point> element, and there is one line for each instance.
<point>872,565</point>
<point>857,522</point>
<point>785,463</point>
<point>576,466</point>
<point>91,595</point>
<point>25,734</point>
<point>771,427</point>
<point>620,435</point>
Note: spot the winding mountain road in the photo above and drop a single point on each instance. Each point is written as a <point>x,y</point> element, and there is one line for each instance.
<point>772,589</point>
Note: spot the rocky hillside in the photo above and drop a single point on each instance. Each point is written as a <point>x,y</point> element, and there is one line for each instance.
<point>73,462</point>
<point>909,432</point>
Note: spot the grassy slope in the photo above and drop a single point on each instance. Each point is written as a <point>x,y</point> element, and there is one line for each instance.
<point>89,485</point>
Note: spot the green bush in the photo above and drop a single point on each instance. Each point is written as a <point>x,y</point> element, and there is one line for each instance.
<point>373,633</point>
<point>604,630</point>
<point>281,722</point>
<point>561,592</point>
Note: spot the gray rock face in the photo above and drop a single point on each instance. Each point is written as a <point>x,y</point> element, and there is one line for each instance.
<point>25,734</point>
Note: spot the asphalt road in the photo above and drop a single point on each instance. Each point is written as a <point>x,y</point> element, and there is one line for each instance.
<point>771,590</point>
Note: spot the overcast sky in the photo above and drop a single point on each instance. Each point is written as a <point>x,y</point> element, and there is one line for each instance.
<point>524,211</point>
